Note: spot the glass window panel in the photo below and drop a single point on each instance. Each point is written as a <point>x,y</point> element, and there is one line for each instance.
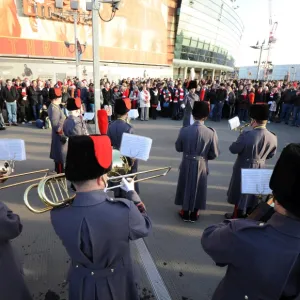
<point>186,42</point>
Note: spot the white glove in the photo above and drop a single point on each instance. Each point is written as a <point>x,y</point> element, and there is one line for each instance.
<point>182,106</point>
<point>127,185</point>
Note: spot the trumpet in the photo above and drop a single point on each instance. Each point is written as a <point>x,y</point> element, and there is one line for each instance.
<point>53,190</point>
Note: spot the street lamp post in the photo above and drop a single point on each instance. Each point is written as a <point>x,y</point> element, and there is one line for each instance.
<point>94,6</point>
<point>261,48</point>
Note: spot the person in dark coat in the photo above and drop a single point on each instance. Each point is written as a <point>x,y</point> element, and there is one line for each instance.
<point>198,144</point>
<point>212,98</point>
<point>253,148</point>
<point>91,97</point>
<point>287,104</point>
<point>57,119</point>
<point>10,97</point>
<point>262,259</point>
<point>33,97</point>
<point>188,102</point>
<point>154,100</point>
<point>296,112</point>
<point>120,126</point>
<point>96,229</point>
<point>107,94</point>
<point>221,96</point>
<point>12,284</point>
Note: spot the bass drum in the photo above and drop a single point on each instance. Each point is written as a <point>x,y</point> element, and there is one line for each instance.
<point>5,170</point>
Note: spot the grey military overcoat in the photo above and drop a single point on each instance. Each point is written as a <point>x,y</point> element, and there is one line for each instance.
<point>253,148</point>
<point>73,126</point>
<point>96,231</point>
<point>57,119</point>
<point>12,284</point>
<point>198,144</point>
<point>262,260</point>
<point>115,133</point>
<point>188,101</point>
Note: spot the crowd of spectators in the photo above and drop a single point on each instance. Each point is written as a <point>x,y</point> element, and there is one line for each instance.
<point>26,101</point>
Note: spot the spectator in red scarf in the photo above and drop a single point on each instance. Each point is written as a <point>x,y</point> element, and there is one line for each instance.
<point>243,103</point>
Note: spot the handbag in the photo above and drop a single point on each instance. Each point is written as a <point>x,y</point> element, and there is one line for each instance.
<point>158,108</point>
<point>166,104</point>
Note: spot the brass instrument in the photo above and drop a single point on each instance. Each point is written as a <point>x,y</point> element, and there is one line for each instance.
<point>7,168</point>
<point>53,190</point>
<point>241,128</point>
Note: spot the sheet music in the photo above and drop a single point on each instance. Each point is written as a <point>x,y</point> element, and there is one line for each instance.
<point>234,123</point>
<point>88,116</point>
<point>133,114</point>
<point>12,149</point>
<point>256,181</point>
<point>136,146</point>
<point>192,121</point>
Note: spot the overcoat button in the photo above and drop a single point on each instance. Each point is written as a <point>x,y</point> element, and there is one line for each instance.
<point>76,266</point>
<point>246,297</point>
<point>92,273</point>
<point>112,270</point>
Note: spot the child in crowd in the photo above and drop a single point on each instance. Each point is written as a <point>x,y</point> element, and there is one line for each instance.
<point>43,122</point>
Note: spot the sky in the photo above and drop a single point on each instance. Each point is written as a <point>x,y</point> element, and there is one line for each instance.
<point>255,15</point>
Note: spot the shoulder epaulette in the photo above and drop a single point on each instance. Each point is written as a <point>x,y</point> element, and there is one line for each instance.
<point>211,129</point>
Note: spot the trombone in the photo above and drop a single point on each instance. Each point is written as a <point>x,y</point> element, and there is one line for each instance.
<point>8,177</point>
<point>53,190</point>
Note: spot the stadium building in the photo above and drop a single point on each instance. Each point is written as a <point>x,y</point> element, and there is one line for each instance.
<point>156,38</point>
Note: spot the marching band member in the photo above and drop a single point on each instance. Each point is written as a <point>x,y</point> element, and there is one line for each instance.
<point>253,148</point>
<point>57,118</point>
<point>120,126</point>
<point>198,144</point>
<point>189,101</point>
<point>74,124</point>
<point>262,259</point>
<point>12,284</point>
<point>95,229</point>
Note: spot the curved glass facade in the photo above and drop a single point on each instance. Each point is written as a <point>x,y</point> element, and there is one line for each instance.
<point>208,31</point>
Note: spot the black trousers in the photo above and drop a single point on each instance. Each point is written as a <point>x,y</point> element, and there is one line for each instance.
<point>153,113</point>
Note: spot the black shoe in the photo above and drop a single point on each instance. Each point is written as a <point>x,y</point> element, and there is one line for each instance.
<point>15,124</point>
<point>185,215</point>
<point>2,128</point>
<point>194,216</point>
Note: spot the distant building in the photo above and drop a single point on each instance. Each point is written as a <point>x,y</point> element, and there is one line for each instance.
<point>278,72</point>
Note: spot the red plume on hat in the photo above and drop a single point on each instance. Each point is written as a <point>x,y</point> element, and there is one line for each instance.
<point>102,121</point>
<point>102,143</point>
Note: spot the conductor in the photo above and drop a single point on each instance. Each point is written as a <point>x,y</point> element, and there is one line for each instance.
<point>95,229</point>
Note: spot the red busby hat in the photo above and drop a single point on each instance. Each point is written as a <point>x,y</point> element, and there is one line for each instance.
<point>54,93</point>
<point>122,106</point>
<point>192,84</point>
<point>89,157</point>
<point>73,104</point>
<point>259,112</point>
<point>200,110</point>
<point>285,180</point>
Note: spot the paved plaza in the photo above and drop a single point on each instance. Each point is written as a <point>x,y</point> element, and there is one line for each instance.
<point>175,246</point>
